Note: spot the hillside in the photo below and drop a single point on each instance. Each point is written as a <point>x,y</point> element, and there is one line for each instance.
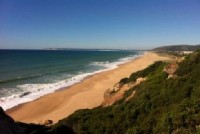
<point>178,48</point>
<point>166,102</point>
<point>160,105</point>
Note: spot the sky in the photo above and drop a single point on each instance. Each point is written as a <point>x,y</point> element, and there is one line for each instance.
<point>117,24</point>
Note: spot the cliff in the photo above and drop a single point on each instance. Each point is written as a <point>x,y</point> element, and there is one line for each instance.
<point>8,125</point>
<point>111,96</point>
<point>160,104</point>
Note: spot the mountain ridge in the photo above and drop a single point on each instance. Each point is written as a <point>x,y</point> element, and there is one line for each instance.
<point>178,48</point>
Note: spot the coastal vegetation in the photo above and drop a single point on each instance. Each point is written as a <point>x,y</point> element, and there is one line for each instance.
<point>161,105</point>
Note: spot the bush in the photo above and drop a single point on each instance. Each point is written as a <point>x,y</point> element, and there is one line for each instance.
<point>160,105</point>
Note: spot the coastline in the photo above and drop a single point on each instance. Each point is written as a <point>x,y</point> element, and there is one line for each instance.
<point>86,94</point>
<point>31,91</point>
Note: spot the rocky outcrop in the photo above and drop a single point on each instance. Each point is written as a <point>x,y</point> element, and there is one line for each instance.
<point>113,95</point>
<point>47,122</point>
<point>130,97</point>
<point>112,99</point>
<point>108,93</point>
<point>170,69</point>
<point>8,125</point>
<point>115,89</point>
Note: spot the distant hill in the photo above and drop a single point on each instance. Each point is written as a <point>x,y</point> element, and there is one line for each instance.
<point>178,48</point>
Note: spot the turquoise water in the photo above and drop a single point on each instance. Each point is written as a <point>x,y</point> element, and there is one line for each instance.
<point>28,74</point>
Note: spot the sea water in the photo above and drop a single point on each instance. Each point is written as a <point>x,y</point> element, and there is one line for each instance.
<point>26,75</point>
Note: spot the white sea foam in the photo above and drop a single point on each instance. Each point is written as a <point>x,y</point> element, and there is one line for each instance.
<point>108,50</point>
<point>31,92</point>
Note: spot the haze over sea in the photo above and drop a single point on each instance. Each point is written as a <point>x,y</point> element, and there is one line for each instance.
<point>26,75</point>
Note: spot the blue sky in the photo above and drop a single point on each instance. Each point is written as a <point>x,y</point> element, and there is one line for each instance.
<point>126,24</point>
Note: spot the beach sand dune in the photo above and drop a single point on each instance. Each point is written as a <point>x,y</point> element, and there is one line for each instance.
<point>87,94</point>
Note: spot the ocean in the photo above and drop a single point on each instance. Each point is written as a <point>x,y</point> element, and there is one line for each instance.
<point>26,75</point>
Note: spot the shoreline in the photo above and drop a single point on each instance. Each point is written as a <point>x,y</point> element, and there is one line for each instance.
<point>86,94</point>
<point>65,88</point>
<point>14,100</point>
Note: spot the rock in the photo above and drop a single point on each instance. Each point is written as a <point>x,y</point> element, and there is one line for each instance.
<point>171,68</point>
<point>108,93</point>
<point>127,86</point>
<point>171,76</point>
<point>131,96</point>
<point>117,86</point>
<point>139,80</point>
<point>24,94</point>
<point>47,122</point>
<point>113,95</point>
<point>112,99</point>
<point>8,125</point>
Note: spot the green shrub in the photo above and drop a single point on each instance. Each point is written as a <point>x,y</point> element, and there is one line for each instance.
<point>160,105</point>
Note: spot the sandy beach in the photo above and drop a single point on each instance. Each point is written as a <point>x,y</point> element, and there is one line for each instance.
<point>87,94</point>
